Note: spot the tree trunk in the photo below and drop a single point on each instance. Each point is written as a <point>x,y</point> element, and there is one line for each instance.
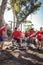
<point>2,10</point>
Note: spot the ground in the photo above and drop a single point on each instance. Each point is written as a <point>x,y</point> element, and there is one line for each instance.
<point>22,57</point>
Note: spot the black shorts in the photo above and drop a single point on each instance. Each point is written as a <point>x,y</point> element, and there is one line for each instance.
<point>40,39</point>
<point>18,40</point>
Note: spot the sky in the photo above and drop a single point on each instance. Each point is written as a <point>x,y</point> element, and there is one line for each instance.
<point>37,18</point>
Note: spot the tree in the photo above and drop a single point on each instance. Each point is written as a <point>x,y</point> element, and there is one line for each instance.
<point>2,10</point>
<point>28,25</point>
<point>23,8</point>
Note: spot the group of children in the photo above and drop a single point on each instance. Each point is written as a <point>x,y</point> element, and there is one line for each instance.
<point>30,36</point>
<point>36,37</point>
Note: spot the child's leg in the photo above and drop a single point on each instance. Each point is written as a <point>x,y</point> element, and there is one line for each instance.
<point>1,44</point>
<point>37,43</point>
<point>41,44</point>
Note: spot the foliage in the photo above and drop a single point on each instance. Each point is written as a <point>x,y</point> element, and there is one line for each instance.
<point>15,5</point>
<point>28,28</point>
<point>9,31</point>
<point>29,25</point>
<point>37,4</point>
<point>23,8</point>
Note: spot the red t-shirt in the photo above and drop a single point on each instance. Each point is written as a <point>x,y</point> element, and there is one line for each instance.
<point>2,29</point>
<point>39,35</point>
<point>16,34</point>
<point>31,32</point>
<point>20,33</point>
